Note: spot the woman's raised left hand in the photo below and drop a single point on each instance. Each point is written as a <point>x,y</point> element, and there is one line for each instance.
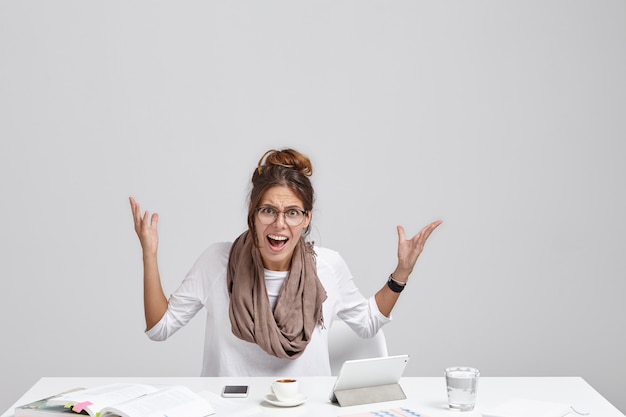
<point>410,249</point>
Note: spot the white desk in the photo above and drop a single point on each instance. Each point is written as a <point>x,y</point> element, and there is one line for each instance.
<point>424,395</point>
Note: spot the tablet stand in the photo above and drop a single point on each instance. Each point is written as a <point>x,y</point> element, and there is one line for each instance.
<point>367,395</point>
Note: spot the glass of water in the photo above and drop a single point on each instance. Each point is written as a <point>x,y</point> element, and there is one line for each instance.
<point>461,382</point>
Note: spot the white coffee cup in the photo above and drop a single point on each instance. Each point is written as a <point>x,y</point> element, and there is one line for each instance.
<point>285,389</point>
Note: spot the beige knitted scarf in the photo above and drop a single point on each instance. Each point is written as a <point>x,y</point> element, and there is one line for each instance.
<point>286,332</point>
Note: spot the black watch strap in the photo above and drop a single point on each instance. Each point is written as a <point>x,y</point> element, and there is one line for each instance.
<point>394,286</point>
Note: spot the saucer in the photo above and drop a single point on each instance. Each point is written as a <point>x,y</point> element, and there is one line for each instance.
<point>271,398</point>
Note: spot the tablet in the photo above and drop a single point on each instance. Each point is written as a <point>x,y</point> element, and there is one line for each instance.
<point>361,373</point>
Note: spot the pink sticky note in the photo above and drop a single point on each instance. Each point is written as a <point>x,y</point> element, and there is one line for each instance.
<point>81,406</point>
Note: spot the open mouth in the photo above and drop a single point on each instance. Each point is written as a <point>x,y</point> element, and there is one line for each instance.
<point>277,242</point>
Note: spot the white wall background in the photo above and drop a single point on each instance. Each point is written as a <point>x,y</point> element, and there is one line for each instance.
<point>507,119</point>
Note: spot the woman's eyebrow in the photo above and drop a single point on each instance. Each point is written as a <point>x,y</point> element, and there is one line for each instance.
<point>284,208</point>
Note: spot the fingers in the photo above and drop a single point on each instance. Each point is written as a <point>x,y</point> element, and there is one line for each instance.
<point>425,233</point>
<point>146,228</point>
<point>410,250</point>
<point>401,235</point>
<point>136,211</point>
<point>145,220</point>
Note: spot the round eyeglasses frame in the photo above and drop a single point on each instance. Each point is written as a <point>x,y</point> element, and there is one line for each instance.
<point>293,216</point>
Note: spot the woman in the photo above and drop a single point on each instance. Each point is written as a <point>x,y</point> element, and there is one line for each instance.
<point>270,295</point>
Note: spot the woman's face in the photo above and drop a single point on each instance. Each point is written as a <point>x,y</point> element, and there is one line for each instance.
<point>278,240</point>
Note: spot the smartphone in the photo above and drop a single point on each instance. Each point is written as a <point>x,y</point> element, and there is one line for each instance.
<point>235,391</point>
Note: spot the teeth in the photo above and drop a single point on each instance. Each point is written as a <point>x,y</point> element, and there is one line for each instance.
<point>274,237</point>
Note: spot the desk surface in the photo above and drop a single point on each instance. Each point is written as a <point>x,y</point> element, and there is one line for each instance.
<point>426,395</point>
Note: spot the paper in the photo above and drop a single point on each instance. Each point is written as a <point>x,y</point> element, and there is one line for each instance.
<point>518,407</point>
<point>395,412</point>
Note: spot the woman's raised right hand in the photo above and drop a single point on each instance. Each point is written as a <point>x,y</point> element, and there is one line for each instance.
<point>146,228</point>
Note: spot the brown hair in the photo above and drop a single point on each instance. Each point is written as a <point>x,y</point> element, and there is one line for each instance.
<point>288,168</point>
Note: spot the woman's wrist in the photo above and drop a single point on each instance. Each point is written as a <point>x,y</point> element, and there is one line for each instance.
<point>400,275</point>
<point>398,281</point>
<point>149,257</point>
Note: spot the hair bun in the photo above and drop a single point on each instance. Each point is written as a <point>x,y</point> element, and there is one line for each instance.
<point>288,158</point>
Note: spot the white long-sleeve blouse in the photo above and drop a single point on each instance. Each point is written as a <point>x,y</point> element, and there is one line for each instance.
<point>227,355</point>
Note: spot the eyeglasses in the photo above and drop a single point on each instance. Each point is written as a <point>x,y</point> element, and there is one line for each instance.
<point>293,216</point>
